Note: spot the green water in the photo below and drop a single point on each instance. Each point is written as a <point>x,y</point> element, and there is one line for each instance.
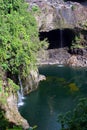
<point>58,94</point>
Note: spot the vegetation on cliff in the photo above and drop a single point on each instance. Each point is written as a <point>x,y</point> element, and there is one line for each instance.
<point>19,44</point>
<point>18,37</point>
<point>80,39</point>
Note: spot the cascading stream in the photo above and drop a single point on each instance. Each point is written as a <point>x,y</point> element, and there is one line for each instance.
<point>21,86</point>
<point>61,38</point>
<point>20,93</point>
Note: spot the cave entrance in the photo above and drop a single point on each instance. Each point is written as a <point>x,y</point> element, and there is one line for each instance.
<point>58,38</point>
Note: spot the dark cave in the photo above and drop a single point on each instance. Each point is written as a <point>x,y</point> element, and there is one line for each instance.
<point>57,37</point>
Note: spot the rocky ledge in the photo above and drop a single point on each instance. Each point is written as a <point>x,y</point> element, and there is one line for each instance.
<point>58,14</point>
<point>8,103</point>
<point>12,113</point>
<point>62,56</point>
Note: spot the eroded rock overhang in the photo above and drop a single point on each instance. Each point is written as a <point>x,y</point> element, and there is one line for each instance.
<point>59,14</point>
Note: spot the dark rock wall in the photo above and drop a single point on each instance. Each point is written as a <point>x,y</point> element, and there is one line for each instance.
<point>55,37</point>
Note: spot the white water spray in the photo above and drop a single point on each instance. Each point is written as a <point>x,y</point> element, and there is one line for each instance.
<point>20,93</point>
<point>21,87</point>
<point>20,101</point>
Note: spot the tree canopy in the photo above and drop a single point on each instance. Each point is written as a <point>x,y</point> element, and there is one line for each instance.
<point>18,36</point>
<point>76,119</point>
<point>19,44</point>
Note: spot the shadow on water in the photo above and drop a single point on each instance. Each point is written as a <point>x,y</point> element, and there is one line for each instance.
<point>58,94</point>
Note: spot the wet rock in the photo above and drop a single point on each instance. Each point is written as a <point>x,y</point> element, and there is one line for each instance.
<point>12,113</point>
<point>42,77</point>
<point>59,14</point>
<point>8,103</point>
<point>61,56</point>
<point>73,61</point>
<point>55,56</point>
<point>77,51</point>
<point>31,82</point>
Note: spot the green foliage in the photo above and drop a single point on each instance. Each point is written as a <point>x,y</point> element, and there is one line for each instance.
<point>3,121</point>
<point>76,119</point>
<point>33,128</point>
<point>3,95</point>
<point>0,85</point>
<point>12,87</point>
<point>83,24</point>
<point>5,124</point>
<point>77,42</point>
<point>15,128</point>
<point>35,8</point>
<point>19,41</point>
<point>73,7</point>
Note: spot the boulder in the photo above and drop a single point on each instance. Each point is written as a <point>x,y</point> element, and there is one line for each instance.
<point>31,82</point>
<point>73,61</point>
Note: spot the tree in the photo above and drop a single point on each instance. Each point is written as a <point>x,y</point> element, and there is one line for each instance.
<point>19,41</point>
<point>76,119</point>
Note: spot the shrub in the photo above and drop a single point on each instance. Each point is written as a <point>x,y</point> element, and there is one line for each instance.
<point>76,119</point>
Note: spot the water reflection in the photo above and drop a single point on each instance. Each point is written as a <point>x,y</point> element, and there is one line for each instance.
<point>58,94</point>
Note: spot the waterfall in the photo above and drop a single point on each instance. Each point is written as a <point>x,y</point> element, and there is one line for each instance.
<point>20,101</point>
<point>20,93</point>
<point>21,86</point>
<point>61,38</point>
<point>59,15</point>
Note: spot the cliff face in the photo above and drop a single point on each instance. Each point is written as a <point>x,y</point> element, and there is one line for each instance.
<point>8,103</point>
<point>58,14</point>
<point>12,113</point>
